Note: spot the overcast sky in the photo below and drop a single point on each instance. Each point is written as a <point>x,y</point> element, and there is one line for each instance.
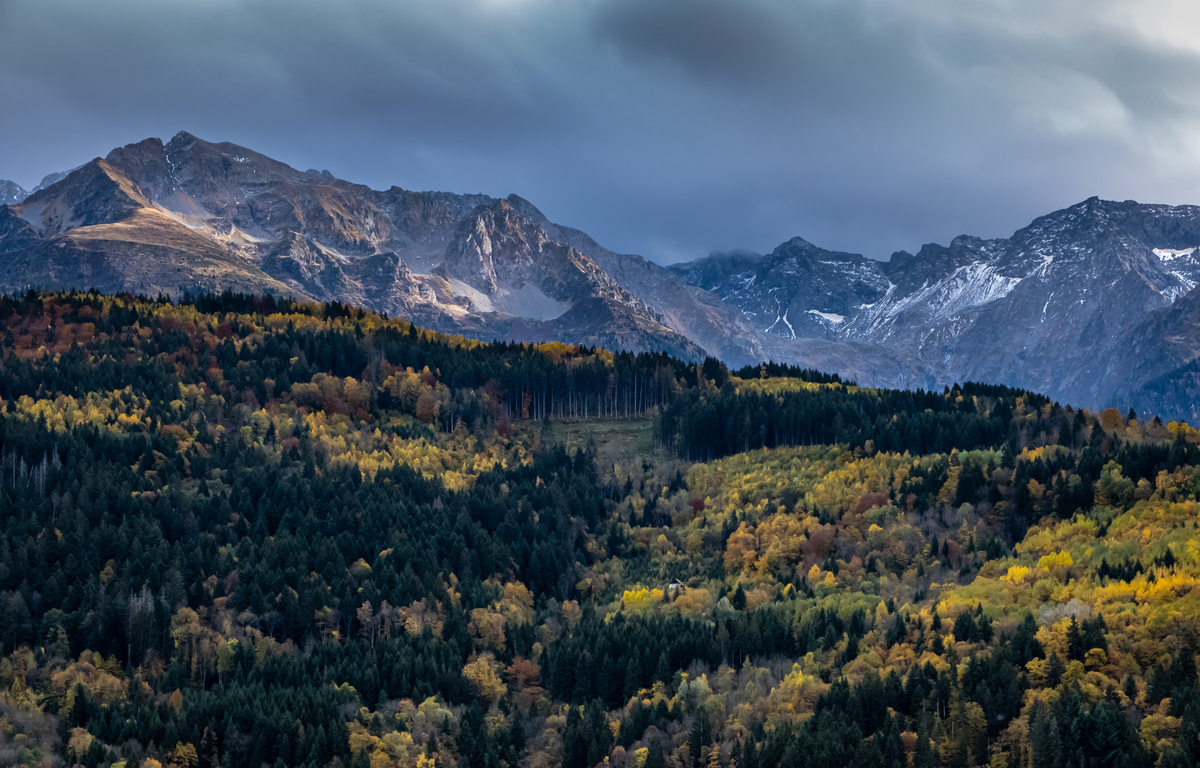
<point>669,128</point>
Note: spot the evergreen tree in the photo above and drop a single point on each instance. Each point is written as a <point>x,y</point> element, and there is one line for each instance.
<point>1054,670</point>
<point>1045,744</point>
<point>655,757</point>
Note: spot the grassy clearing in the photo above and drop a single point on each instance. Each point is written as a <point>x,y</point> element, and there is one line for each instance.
<point>618,441</point>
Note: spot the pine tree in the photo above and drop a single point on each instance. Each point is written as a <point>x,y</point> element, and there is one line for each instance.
<point>1183,672</point>
<point>698,738</point>
<point>1044,739</point>
<point>655,757</point>
<point>1074,641</point>
<point>923,754</point>
<point>1054,670</point>
<point>893,746</point>
<point>663,670</point>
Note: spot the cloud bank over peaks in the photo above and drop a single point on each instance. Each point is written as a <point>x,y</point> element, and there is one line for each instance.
<point>665,127</point>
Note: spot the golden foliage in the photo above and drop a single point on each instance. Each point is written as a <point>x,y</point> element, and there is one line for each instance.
<point>483,673</point>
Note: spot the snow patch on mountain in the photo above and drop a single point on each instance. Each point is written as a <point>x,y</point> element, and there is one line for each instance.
<point>480,301</point>
<point>528,301</point>
<point>1186,284</point>
<point>1170,254</point>
<point>829,317</point>
<point>970,286</point>
<point>791,330</point>
<point>967,287</point>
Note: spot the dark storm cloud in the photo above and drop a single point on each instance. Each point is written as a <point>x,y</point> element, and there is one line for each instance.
<point>738,43</point>
<point>666,127</point>
<point>926,61</point>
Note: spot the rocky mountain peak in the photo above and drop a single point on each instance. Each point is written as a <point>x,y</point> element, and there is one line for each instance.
<point>192,156</point>
<point>11,192</point>
<point>96,193</point>
<point>52,178</point>
<point>145,164</point>
<point>495,246</point>
<point>526,209</point>
<point>796,248</point>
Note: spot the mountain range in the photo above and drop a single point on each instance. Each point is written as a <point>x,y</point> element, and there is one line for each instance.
<point>1087,304</point>
<point>1095,304</point>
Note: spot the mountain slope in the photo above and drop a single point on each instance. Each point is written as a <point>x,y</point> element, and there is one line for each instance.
<point>190,213</point>
<point>1066,305</point>
<point>95,229</point>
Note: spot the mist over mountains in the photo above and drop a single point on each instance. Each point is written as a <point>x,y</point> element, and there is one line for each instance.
<point>1093,305</point>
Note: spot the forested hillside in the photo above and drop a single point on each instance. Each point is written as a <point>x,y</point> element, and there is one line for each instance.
<point>242,531</point>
